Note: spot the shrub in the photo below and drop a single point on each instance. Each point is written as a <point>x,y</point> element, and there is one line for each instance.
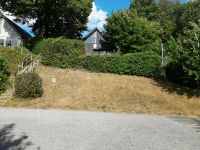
<point>3,76</point>
<point>59,51</point>
<point>98,63</point>
<point>13,57</point>
<point>140,64</point>
<point>176,74</point>
<point>28,85</point>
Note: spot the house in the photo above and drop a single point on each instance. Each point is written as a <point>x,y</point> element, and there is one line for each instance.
<point>96,43</point>
<point>11,34</point>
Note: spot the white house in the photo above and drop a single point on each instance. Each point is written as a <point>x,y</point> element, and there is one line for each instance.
<point>11,34</point>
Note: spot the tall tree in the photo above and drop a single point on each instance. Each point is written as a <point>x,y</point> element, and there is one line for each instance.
<point>190,13</point>
<point>132,33</point>
<point>53,18</point>
<point>165,12</point>
<point>145,8</point>
<point>189,53</point>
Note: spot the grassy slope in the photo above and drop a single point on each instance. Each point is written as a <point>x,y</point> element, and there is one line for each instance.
<point>13,57</point>
<point>112,93</point>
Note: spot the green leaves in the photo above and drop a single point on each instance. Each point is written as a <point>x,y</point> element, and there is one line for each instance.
<point>190,51</point>
<point>53,18</point>
<point>132,33</point>
<point>57,51</point>
<point>3,76</point>
<point>28,85</point>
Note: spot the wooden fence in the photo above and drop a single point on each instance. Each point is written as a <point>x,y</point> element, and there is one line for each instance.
<point>29,64</point>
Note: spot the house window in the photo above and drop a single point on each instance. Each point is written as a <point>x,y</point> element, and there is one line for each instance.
<point>95,46</point>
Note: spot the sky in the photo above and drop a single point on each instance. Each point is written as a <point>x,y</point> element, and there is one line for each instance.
<point>102,9</point>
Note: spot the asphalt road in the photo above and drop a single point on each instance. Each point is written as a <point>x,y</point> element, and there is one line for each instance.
<point>67,130</point>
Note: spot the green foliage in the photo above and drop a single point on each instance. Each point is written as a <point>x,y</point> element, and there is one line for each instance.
<point>13,57</point>
<point>165,12</point>
<point>28,85</point>
<point>175,73</point>
<point>53,18</point>
<point>140,64</point>
<point>3,76</point>
<point>189,53</point>
<point>172,48</point>
<point>132,33</point>
<point>145,8</point>
<point>106,64</point>
<point>59,51</point>
<point>190,13</point>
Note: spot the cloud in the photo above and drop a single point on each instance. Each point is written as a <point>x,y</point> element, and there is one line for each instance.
<point>97,18</point>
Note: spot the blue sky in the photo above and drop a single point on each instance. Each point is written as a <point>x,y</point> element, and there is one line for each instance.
<point>110,5</point>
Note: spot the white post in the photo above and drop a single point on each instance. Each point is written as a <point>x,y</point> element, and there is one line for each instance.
<point>162,51</point>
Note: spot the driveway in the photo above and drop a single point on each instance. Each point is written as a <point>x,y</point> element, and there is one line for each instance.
<point>68,130</point>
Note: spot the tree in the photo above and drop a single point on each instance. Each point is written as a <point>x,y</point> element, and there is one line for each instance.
<point>189,53</point>
<point>190,13</point>
<point>132,33</point>
<point>145,8</point>
<point>53,18</point>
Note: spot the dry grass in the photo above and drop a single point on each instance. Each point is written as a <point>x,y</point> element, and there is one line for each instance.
<point>81,90</point>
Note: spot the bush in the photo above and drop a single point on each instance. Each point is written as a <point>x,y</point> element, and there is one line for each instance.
<point>98,63</point>
<point>59,51</point>
<point>28,85</point>
<point>140,64</point>
<point>176,74</point>
<point>3,76</point>
<point>13,57</point>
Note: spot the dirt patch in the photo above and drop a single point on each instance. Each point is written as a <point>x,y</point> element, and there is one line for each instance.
<point>70,89</point>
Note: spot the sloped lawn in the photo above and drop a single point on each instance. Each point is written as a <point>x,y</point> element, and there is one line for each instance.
<point>81,90</point>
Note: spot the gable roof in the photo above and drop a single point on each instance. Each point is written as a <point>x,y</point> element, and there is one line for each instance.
<point>19,28</point>
<point>90,33</point>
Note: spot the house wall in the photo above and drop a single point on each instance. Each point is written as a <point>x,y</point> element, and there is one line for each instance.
<point>8,34</point>
<point>93,42</point>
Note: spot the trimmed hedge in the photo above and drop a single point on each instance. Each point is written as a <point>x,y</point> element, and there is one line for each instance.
<point>59,51</point>
<point>65,53</point>
<point>3,76</point>
<point>140,64</point>
<point>28,85</point>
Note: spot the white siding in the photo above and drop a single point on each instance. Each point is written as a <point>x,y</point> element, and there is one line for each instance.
<point>8,34</point>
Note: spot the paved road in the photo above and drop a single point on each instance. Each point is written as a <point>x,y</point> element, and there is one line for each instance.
<point>68,130</point>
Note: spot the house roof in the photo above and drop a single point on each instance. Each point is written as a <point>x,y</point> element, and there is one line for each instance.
<point>90,33</point>
<point>19,28</point>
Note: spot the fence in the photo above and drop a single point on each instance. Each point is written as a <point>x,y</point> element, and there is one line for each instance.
<point>29,64</point>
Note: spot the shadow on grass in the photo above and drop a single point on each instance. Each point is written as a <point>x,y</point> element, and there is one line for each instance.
<point>174,88</point>
<point>8,141</point>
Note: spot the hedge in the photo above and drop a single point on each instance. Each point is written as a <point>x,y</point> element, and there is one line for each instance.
<point>140,64</point>
<point>66,53</point>
<point>28,85</point>
<point>3,76</point>
<point>59,51</point>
